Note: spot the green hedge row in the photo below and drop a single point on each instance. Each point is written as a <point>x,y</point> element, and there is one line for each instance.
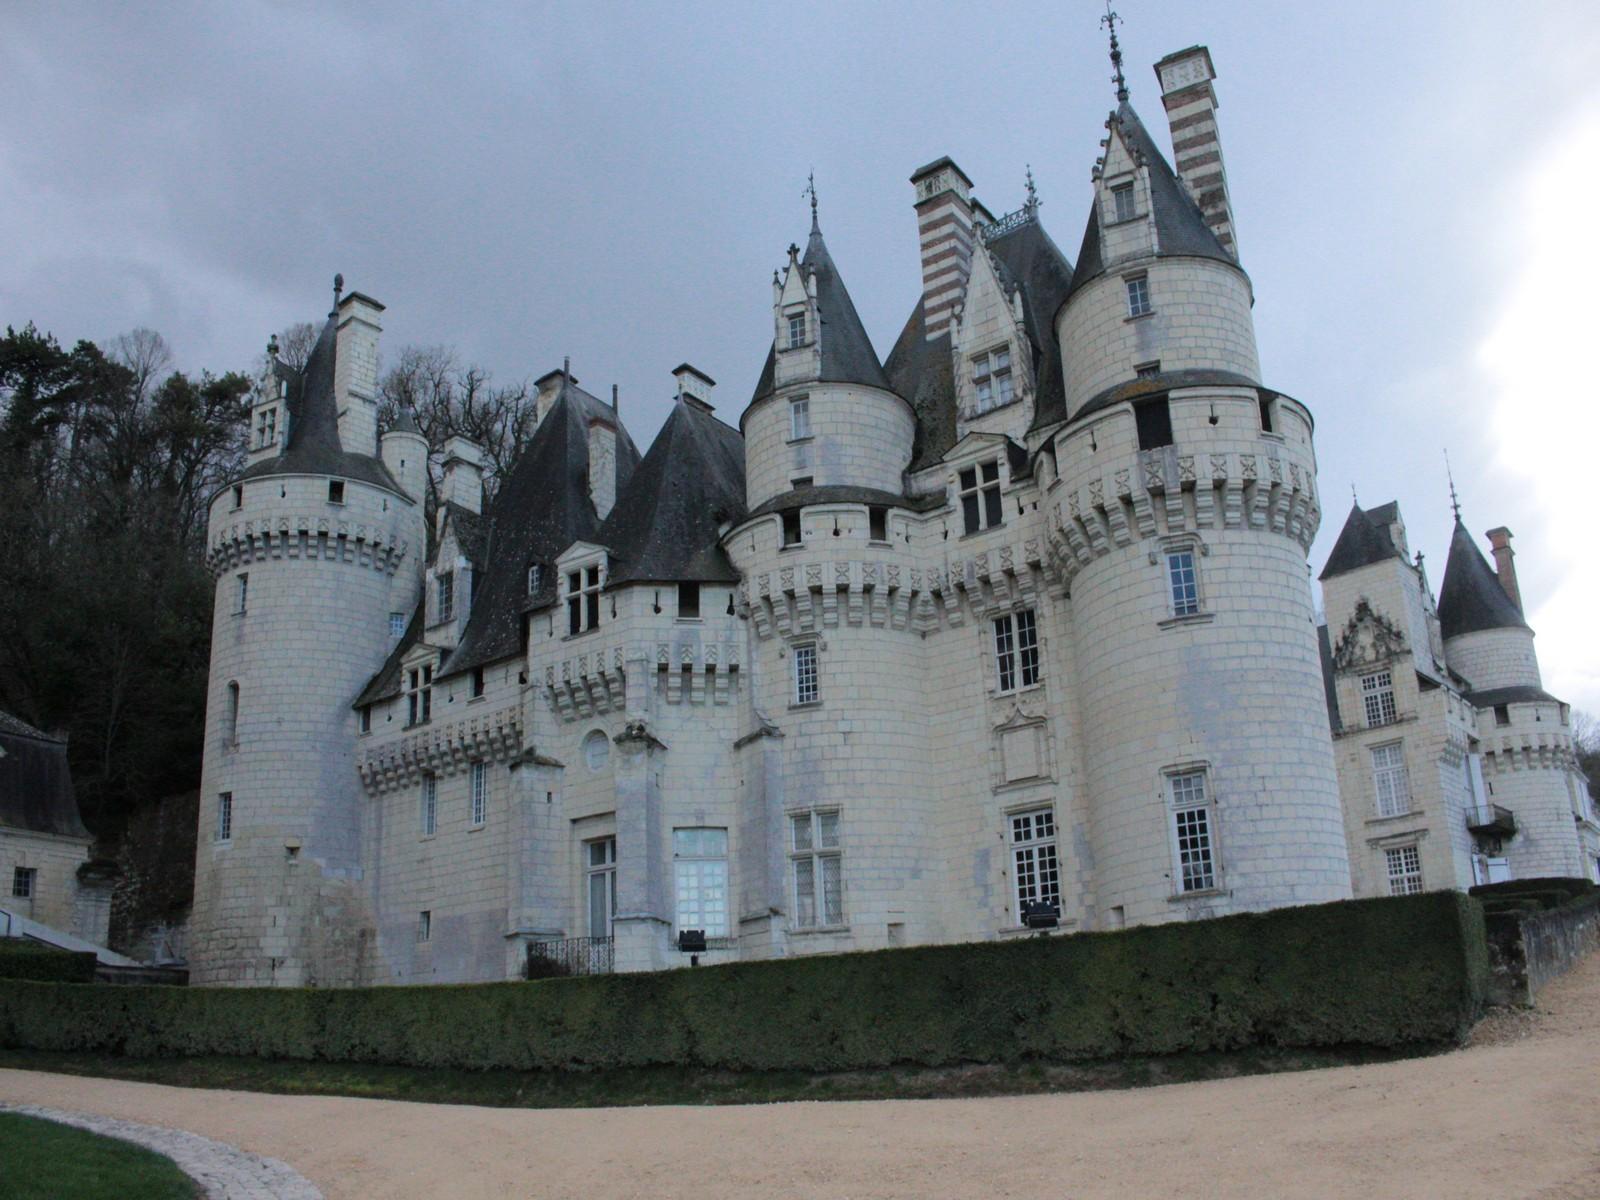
<point>44,964</point>
<point>1373,972</point>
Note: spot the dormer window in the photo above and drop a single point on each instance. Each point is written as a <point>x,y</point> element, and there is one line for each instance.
<point>1122,202</point>
<point>535,578</point>
<point>266,427</point>
<point>797,329</point>
<point>799,418</point>
<point>419,694</point>
<point>991,379</point>
<point>980,496</point>
<point>583,599</point>
<point>445,594</point>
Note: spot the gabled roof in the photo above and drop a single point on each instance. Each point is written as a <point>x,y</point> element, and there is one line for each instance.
<point>35,783</point>
<point>542,508</point>
<point>664,526</point>
<point>314,447</point>
<point>1181,229</point>
<point>1471,598</point>
<point>847,353</point>
<point>1033,262</point>
<point>1362,542</point>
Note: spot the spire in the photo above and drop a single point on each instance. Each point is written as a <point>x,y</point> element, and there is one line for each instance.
<point>811,190</point>
<point>1110,22</point>
<point>1455,502</point>
<point>1031,204</point>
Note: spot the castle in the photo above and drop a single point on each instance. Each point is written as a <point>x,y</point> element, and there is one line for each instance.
<point>1010,629</point>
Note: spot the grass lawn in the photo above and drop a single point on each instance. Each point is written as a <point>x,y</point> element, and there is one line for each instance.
<point>40,1160</point>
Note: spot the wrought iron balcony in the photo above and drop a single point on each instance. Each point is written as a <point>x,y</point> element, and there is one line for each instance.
<point>570,956</point>
<point>1491,820</point>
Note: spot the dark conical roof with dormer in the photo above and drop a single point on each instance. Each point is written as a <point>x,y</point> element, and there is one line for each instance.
<point>1471,598</point>
<point>847,353</point>
<point>1180,227</point>
<point>313,446</point>
<point>1364,540</point>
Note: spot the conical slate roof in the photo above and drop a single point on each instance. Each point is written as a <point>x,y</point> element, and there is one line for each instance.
<point>314,447</point>
<point>1181,229</point>
<point>1364,540</point>
<point>664,526</point>
<point>847,353</point>
<point>542,508</point>
<point>1471,598</point>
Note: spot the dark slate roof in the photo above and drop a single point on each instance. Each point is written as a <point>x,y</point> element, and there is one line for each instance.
<point>35,784</point>
<point>404,422</point>
<point>469,529</point>
<point>1181,229</point>
<point>845,494</point>
<point>921,371</point>
<point>1362,542</point>
<point>385,685</point>
<point>1490,697</point>
<point>664,527</point>
<point>1471,598</point>
<point>1029,259</point>
<point>847,353</point>
<point>314,447</point>
<point>1166,381</point>
<point>1329,692</point>
<point>541,509</point>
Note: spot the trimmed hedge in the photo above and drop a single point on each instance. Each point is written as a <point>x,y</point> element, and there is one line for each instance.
<point>1551,891</point>
<point>44,964</point>
<point>1385,972</point>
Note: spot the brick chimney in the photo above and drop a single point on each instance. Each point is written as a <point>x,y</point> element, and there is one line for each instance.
<point>1191,106</point>
<point>1500,543</point>
<point>944,230</point>
<point>355,372</point>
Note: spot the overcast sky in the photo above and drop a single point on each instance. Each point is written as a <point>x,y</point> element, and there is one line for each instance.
<point>1415,187</point>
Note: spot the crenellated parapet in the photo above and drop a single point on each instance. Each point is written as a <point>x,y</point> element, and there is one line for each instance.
<point>806,596</point>
<point>1163,492</point>
<point>302,536</point>
<point>596,683</point>
<point>442,748</point>
<point>1524,750</point>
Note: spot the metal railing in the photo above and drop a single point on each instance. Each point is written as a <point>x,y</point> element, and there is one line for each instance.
<point>1491,818</point>
<point>570,956</point>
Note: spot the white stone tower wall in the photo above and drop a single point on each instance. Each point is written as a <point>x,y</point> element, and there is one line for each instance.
<point>282,900</point>
<point>1494,658</point>
<point>860,437</point>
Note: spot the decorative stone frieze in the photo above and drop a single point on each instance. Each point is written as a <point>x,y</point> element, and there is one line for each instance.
<point>299,535</point>
<point>443,748</point>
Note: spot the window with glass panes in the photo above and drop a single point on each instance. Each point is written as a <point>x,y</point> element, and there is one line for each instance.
<point>980,496</point>
<point>799,418</point>
<point>1016,650</point>
<point>224,816</point>
<point>817,863</point>
<point>419,694</point>
<point>1033,859</point>
<point>1122,202</point>
<point>1138,296</point>
<point>480,792</point>
<point>1191,818</point>
<point>600,878</point>
<point>445,585</point>
<point>1377,698</point>
<point>1182,585</point>
<point>428,816</point>
<point>806,689</point>
<point>583,599</point>
<point>1389,780</point>
<point>24,882</point>
<point>797,328</point>
<point>991,379</point>
<point>700,879</point>
<point>397,625</point>
<point>1405,870</point>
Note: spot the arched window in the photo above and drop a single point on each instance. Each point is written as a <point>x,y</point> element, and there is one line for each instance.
<point>231,729</point>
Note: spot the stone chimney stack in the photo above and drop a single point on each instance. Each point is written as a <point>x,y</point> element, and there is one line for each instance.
<point>546,388</point>
<point>944,229</point>
<point>355,372</point>
<point>1197,151</point>
<point>602,465</point>
<point>1500,542</point>
<point>463,474</point>
<point>694,386</point>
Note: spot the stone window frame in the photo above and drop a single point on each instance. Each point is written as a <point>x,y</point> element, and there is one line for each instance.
<point>690,862</point>
<point>222,832</point>
<point>1119,211</point>
<point>805,686</point>
<point>419,693</point>
<point>1046,886</point>
<point>1378,707</point>
<point>1012,652</point>
<point>428,806</point>
<point>800,418</point>
<point>444,596</point>
<point>266,426</point>
<point>397,626</point>
<point>230,729</point>
<point>809,858</point>
<point>424,925</point>
<point>581,585</point>
<point>1398,776</point>
<point>1140,301</point>
<point>990,376</point>
<point>241,593</point>
<point>1407,880</point>
<point>980,496</point>
<point>1193,830</point>
<point>796,328</point>
<point>24,883</point>
<point>478,795</point>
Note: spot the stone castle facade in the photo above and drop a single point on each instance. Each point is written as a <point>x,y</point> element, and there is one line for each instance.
<point>1011,625</point>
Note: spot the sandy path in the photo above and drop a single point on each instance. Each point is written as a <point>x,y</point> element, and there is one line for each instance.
<point>1515,1115</point>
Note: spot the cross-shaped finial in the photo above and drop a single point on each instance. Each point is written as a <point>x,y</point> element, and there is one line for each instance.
<point>1455,502</point>
<point>811,190</point>
<point>1110,22</point>
<point>1354,499</point>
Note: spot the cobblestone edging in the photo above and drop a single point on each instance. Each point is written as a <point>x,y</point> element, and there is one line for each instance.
<point>224,1172</point>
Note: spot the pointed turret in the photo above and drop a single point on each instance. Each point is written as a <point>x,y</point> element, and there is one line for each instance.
<point>1471,598</point>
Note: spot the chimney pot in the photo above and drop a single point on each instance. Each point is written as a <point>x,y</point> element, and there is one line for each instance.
<point>1504,567</point>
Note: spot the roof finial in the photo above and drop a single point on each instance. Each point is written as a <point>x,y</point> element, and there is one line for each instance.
<point>1110,22</point>
<point>811,190</point>
<point>338,289</point>
<point>1354,499</point>
<point>1455,502</point>
<point>1032,201</point>
<point>566,368</point>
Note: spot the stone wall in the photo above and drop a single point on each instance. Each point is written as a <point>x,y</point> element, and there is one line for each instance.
<point>1528,950</point>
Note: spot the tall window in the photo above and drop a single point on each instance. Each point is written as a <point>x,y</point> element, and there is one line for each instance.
<point>224,816</point>
<point>1377,698</point>
<point>688,602</point>
<point>991,379</point>
<point>1138,296</point>
<point>700,879</point>
<point>535,578</point>
<point>475,683</point>
<point>364,718</point>
<point>419,694</point>
<point>424,925</point>
<point>480,792</point>
<point>583,599</point>
<point>230,730</point>
<point>799,418</point>
<point>1389,780</point>
<point>1405,870</point>
<point>1122,202</point>
<point>797,329</point>
<point>1192,828</point>
<point>1016,650</point>
<point>980,496</point>
<point>445,585</point>
<point>1033,858</point>
<point>428,816</point>
<point>804,657</point>
<point>600,859</point>
<point>1182,585</point>
<point>791,528</point>
<point>24,882</point>
<point>241,592</point>
<point>266,427</point>
<point>817,863</point>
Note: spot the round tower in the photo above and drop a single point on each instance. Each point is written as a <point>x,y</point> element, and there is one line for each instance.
<point>1186,509</point>
<point>315,550</point>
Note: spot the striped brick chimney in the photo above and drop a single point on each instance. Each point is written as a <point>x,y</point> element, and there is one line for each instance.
<point>1191,106</point>
<point>944,229</point>
<point>1500,543</point>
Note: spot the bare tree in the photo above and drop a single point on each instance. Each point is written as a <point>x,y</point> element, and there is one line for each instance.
<point>295,344</point>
